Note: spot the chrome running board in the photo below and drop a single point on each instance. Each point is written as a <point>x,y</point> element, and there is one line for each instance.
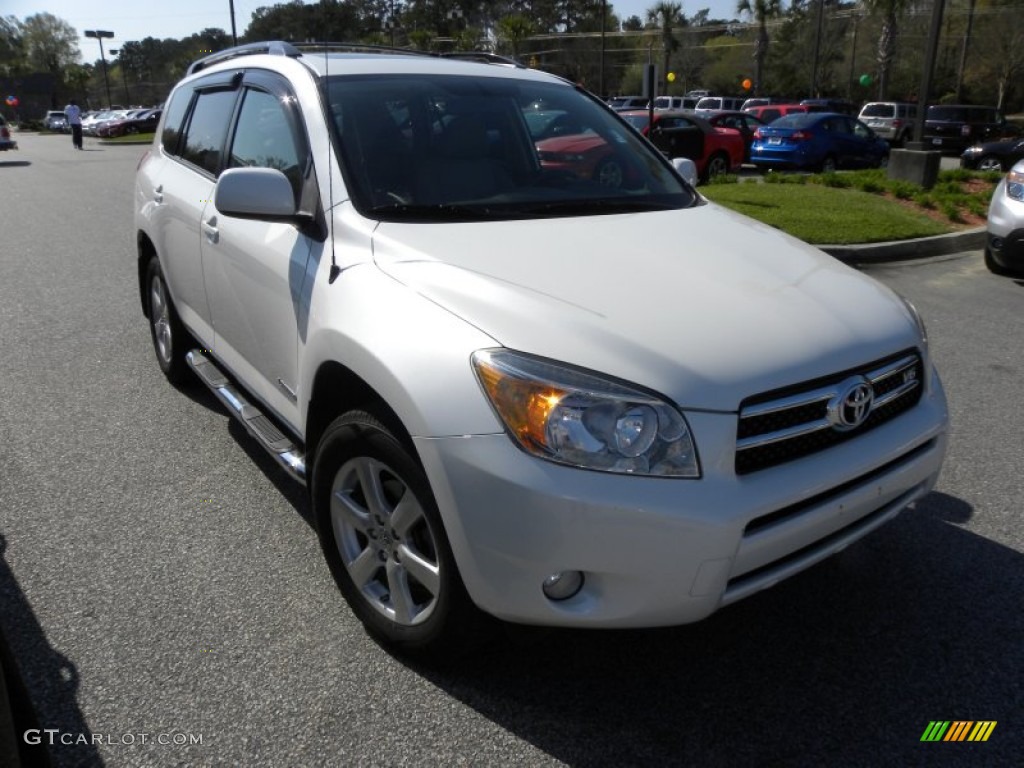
<point>252,418</point>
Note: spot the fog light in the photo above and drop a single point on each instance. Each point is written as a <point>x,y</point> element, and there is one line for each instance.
<point>563,585</point>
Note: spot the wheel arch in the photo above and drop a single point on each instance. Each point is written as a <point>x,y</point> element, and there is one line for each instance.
<point>145,250</point>
<point>336,390</point>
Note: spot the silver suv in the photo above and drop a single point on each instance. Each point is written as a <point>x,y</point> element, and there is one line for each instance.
<point>892,120</point>
<point>430,307</point>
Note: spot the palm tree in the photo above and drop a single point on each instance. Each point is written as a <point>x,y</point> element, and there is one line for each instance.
<point>760,11</point>
<point>890,11</point>
<point>666,15</point>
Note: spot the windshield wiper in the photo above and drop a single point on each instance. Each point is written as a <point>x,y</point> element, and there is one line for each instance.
<point>583,207</point>
<point>438,212</point>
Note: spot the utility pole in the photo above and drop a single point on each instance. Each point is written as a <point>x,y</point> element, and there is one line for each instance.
<point>99,34</point>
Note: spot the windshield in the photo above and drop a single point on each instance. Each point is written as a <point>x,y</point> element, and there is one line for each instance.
<point>442,147</point>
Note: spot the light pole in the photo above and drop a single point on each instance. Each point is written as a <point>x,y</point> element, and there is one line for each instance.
<point>99,34</point>
<point>124,78</point>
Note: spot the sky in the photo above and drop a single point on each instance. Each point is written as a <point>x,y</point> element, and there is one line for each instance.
<point>131,19</point>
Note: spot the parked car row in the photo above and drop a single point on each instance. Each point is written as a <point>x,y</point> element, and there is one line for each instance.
<point>110,123</point>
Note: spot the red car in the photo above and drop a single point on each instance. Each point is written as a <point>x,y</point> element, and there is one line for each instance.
<point>586,155</point>
<point>679,134</point>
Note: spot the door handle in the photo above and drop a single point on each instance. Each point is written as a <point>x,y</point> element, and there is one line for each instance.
<point>210,228</point>
<point>158,194</point>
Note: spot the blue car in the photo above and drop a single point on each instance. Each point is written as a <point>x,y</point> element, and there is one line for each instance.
<point>818,141</point>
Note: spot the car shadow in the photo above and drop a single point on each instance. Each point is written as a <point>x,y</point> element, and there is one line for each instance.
<point>289,489</point>
<point>845,664</point>
<point>14,163</point>
<point>45,682</point>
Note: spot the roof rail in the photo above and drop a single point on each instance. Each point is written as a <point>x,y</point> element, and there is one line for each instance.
<point>329,47</point>
<point>484,56</point>
<point>274,48</point>
<point>295,50</point>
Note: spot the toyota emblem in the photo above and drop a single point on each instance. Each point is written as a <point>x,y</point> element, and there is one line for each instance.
<point>851,405</point>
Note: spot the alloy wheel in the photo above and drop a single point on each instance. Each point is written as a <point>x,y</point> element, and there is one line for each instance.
<point>385,541</point>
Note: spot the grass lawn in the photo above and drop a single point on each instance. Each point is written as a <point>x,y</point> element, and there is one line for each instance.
<point>825,215</point>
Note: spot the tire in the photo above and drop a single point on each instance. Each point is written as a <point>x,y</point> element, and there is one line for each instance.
<point>883,161</point>
<point>718,164</point>
<point>170,339</point>
<point>828,165</point>
<point>382,536</point>
<point>989,163</point>
<point>993,267</point>
<point>609,173</point>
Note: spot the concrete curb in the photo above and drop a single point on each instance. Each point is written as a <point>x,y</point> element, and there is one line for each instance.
<point>900,250</point>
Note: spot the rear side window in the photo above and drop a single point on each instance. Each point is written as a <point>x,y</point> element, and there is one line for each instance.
<point>204,140</point>
<point>175,117</point>
<point>950,114</point>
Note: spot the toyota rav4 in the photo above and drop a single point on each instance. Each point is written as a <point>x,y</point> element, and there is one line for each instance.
<point>511,387</point>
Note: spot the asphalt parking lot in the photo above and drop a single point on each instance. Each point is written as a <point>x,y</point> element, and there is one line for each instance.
<point>164,596</point>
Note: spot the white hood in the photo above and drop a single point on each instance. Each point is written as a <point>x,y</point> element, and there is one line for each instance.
<point>702,305</point>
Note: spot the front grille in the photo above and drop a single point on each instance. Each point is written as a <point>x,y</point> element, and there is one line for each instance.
<point>783,425</point>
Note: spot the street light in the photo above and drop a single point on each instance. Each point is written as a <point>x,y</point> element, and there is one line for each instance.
<point>124,78</point>
<point>99,34</point>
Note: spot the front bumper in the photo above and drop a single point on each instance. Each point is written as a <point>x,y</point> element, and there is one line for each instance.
<point>657,551</point>
<point>1008,251</point>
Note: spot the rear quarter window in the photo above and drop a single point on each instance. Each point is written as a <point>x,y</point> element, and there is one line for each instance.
<point>176,111</point>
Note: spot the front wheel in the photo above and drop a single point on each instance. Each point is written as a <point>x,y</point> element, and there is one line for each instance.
<point>993,266</point>
<point>384,541</point>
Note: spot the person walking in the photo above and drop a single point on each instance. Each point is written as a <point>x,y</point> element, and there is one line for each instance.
<point>74,116</point>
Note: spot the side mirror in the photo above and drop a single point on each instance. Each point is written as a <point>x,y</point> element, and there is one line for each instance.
<point>686,168</point>
<point>255,193</point>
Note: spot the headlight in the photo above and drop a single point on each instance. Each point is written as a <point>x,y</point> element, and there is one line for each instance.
<point>580,419</point>
<point>920,326</point>
<point>1015,185</point>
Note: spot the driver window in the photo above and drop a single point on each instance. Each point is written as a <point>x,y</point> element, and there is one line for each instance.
<point>264,138</point>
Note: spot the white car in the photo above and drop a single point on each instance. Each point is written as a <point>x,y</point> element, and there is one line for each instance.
<point>1004,249</point>
<point>511,389</point>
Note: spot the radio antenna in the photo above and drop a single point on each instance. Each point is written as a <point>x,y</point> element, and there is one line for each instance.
<point>325,95</point>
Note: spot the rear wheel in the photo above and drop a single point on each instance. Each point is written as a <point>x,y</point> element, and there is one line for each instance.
<point>990,163</point>
<point>170,339</point>
<point>383,538</point>
<point>828,165</point>
<point>609,173</point>
<point>718,164</point>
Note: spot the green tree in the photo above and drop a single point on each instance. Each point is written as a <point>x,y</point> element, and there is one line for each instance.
<point>12,46</point>
<point>51,44</point>
<point>761,11</point>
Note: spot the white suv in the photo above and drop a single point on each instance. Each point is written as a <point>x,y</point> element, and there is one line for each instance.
<point>513,384</point>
